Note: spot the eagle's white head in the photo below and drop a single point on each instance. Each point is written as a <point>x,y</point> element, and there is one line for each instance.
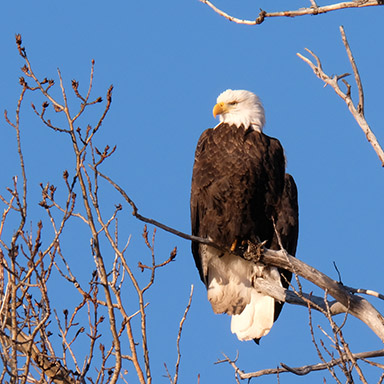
<point>240,107</point>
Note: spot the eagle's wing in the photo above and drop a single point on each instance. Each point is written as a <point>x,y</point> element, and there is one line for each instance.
<point>287,226</point>
<point>196,205</point>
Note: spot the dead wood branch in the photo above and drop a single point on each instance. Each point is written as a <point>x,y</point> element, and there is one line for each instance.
<point>357,111</point>
<point>313,10</point>
<point>303,370</point>
<point>357,306</point>
<point>301,299</point>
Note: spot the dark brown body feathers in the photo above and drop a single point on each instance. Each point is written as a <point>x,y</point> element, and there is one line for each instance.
<point>239,187</point>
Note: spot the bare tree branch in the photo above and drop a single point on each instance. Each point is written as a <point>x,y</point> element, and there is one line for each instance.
<point>356,305</point>
<point>147,220</point>
<point>51,367</point>
<point>303,370</point>
<point>176,376</point>
<point>356,111</point>
<point>313,10</point>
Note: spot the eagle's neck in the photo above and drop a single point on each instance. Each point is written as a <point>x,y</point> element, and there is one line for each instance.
<point>250,128</point>
<point>250,118</point>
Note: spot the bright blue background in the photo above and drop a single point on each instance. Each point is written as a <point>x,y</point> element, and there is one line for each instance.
<point>168,61</point>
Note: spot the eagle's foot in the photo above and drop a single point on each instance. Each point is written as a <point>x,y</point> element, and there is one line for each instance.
<point>233,246</point>
<point>254,251</point>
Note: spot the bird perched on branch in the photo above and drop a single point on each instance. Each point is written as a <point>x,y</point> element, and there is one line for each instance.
<point>240,193</point>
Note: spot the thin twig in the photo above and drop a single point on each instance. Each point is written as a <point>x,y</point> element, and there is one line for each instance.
<point>175,378</point>
<point>360,107</point>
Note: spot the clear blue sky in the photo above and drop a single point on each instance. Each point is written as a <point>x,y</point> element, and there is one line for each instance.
<point>168,61</point>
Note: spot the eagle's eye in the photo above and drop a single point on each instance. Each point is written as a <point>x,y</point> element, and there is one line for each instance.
<point>233,103</point>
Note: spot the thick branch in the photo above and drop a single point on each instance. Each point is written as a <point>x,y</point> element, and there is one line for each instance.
<point>302,299</point>
<point>357,306</point>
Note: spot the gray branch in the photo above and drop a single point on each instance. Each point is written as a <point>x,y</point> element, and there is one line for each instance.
<point>356,111</point>
<point>356,305</point>
<point>303,370</point>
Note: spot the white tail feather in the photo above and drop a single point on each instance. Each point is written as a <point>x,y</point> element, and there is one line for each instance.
<point>257,318</point>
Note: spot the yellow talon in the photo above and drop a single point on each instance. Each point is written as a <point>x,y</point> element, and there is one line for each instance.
<point>233,246</point>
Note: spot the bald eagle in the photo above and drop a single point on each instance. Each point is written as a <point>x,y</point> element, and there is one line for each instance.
<point>239,191</point>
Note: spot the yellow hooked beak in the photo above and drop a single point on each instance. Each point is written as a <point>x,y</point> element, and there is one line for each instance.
<point>219,108</point>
